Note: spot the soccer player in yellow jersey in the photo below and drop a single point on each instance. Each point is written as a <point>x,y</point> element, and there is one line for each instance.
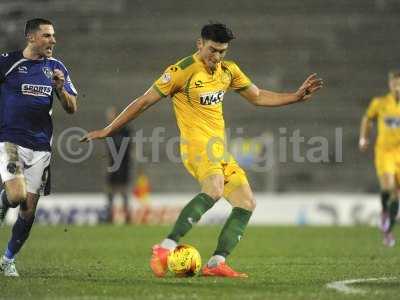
<point>386,111</point>
<point>197,85</point>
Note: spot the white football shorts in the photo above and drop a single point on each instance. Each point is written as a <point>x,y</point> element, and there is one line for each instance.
<point>34,166</point>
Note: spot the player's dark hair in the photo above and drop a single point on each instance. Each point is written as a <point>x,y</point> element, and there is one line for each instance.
<point>217,32</point>
<point>33,25</point>
<point>394,74</point>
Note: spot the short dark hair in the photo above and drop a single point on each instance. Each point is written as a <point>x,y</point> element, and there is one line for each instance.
<point>33,25</point>
<point>217,32</point>
<point>394,74</point>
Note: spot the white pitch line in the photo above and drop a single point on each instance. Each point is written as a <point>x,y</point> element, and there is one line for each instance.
<point>342,286</point>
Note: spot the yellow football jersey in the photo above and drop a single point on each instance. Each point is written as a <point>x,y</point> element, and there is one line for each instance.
<point>386,111</point>
<point>198,94</point>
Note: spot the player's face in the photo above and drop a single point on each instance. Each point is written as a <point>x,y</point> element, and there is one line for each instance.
<point>43,41</point>
<point>211,52</point>
<point>394,85</point>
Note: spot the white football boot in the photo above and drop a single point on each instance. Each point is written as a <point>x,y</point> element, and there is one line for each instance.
<point>8,267</point>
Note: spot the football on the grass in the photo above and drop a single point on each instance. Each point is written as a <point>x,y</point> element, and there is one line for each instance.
<point>184,261</point>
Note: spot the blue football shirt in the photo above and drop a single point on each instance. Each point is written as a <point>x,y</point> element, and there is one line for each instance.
<point>26,99</point>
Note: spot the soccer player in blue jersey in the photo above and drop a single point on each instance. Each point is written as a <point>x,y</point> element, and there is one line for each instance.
<point>29,79</point>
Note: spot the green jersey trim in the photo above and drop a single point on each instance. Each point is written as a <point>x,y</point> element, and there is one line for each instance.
<point>159,91</point>
<point>186,62</point>
<point>244,88</point>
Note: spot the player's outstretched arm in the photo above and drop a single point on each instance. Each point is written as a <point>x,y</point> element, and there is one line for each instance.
<point>365,129</point>
<point>134,109</point>
<point>67,100</point>
<point>262,97</point>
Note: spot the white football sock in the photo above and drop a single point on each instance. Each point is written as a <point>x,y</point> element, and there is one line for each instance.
<point>215,260</point>
<point>168,244</point>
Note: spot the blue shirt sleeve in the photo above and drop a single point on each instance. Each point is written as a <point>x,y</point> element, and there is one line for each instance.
<point>4,61</point>
<point>68,85</point>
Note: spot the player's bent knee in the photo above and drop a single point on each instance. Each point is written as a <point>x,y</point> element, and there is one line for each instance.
<point>250,204</point>
<point>216,193</point>
<point>389,189</point>
<point>387,182</point>
<point>214,187</point>
<point>253,204</point>
<point>16,191</point>
<point>247,203</point>
<point>16,197</point>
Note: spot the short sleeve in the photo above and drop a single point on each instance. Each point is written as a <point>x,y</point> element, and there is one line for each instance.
<point>239,80</point>
<point>68,84</point>
<point>373,109</point>
<point>4,62</point>
<point>171,81</point>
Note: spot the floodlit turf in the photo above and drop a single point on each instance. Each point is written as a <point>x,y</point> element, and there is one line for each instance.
<point>111,262</point>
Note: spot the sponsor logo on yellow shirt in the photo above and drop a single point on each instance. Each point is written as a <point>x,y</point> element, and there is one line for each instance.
<point>212,98</point>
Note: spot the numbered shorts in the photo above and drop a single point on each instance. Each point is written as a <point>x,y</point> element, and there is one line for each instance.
<point>202,162</point>
<point>20,162</point>
<point>387,161</point>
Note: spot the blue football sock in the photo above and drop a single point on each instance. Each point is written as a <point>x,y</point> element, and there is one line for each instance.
<point>8,254</point>
<point>20,233</point>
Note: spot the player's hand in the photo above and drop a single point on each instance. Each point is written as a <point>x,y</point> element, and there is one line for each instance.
<point>58,79</point>
<point>309,87</point>
<point>363,144</point>
<point>95,135</point>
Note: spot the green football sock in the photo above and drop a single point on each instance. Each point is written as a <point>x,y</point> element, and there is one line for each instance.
<point>232,231</point>
<point>190,215</point>
<point>393,210</point>
<point>385,196</point>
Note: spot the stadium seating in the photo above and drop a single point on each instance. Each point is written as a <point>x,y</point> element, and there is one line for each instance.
<point>116,49</point>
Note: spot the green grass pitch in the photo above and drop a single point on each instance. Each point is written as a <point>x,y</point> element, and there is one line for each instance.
<point>111,262</point>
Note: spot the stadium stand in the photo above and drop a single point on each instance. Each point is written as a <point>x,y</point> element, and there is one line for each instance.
<point>116,49</point>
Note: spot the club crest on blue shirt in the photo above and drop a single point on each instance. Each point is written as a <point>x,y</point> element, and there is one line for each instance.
<point>48,72</point>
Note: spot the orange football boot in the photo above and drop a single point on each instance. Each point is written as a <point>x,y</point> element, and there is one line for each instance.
<point>158,261</point>
<point>222,270</point>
